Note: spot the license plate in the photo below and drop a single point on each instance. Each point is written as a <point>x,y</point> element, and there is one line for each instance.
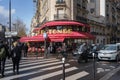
<point>105,58</point>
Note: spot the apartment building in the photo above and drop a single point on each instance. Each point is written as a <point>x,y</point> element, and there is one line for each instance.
<point>96,19</point>
<point>113,19</point>
<point>49,10</point>
<point>90,12</point>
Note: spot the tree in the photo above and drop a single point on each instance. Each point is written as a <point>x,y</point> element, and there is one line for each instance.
<point>20,27</point>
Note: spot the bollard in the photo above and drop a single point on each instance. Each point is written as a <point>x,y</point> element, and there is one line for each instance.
<point>63,61</point>
<point>93,65</point>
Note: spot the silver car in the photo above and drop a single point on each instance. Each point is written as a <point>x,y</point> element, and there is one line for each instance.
<point>109,52</point>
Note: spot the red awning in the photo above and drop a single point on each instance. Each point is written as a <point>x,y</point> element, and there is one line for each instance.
<point>57,39</point>
<point>23,39</point>
<point>30,39</point>
<point>59,23</point>
<point>90,36</point>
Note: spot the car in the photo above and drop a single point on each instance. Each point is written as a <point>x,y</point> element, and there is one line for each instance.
<point>109,52</point>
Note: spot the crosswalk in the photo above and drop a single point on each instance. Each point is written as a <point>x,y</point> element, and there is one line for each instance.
<point>42,69</point>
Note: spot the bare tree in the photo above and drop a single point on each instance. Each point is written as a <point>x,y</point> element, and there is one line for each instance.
<point>20,27</point>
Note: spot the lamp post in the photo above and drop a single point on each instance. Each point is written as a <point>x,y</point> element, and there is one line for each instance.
<point>45,41</point>
<point>10,24</point>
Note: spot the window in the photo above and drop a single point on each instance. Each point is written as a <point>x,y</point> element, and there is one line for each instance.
<point>92,10</point>
<point>92,0</point>
<point>59,0</point>
<point>59,27</point>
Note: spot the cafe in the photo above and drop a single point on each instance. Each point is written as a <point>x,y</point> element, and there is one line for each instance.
<point>60,31</point>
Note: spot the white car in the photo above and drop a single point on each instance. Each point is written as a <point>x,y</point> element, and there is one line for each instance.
<point>109,52</point>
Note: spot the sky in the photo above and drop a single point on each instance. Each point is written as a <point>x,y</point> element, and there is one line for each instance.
<point>23,9</point>
<point>102,7</point>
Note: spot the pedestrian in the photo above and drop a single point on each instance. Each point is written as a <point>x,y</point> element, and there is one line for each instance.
<point>25,49</point>
<point>16,56</point>
<point>4,53</point>
<point>64,50</point>
<point>48,51</point>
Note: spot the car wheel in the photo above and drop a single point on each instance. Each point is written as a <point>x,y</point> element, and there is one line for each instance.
<point>98,59</point>
<point>117,58</point>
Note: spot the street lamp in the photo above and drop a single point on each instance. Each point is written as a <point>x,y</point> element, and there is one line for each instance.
<point>45,41</point>
<point>10,24</point>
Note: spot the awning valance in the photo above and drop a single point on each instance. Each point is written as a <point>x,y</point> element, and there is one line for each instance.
<point>58,37</point>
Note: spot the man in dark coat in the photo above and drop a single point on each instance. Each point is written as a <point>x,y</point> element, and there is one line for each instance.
<point>25,49</point>
<point>3,57</point>
<point>16,56</point>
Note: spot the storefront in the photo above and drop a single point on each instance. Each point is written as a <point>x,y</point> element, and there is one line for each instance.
<point>61,31</point>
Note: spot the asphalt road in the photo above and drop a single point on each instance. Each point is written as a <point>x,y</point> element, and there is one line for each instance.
<point>51,69</point>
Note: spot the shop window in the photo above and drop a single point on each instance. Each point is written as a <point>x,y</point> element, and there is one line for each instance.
<point>80,28</point>
<point>86,29</point>
<point>59,27</point>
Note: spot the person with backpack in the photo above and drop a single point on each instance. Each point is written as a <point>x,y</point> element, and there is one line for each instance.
<point>3,54</point>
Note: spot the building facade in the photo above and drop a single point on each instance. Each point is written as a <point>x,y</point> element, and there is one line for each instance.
<point>91,12</point>
<point>48,10</point>
<point>96,19</point>
<point>113,19</point>
<point>2,31</point>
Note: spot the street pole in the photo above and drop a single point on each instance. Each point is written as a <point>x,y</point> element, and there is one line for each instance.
<point>10,24</point>
<point>45,41</point>
<point>63,61</point>
<point>94,66</point>
<point>45,49</point>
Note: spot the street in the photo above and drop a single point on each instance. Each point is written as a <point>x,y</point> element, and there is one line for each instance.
<point>33,68</point>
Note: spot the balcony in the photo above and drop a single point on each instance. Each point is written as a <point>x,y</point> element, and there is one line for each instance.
<point>60,3</point>
<point>60,16</point>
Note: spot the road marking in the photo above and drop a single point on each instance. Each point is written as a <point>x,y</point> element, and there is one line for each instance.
<point>34,72</point>
<point>30,61</point>
<point>110,74</point>
<point>35,63</point>
<point>53,74</point>
<point>77,76</point>
<point>33,67</point>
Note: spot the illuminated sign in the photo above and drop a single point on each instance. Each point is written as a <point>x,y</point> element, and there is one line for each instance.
<point>54,31</point>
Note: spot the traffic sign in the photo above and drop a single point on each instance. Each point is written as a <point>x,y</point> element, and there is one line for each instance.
<point>10,34</point>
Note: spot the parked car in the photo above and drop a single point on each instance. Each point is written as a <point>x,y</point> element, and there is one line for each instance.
<point>109,52</point>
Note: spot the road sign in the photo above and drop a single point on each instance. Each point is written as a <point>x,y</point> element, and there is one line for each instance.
<point>10,34</point>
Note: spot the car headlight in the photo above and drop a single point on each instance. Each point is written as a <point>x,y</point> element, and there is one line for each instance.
<point>79,52</point>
